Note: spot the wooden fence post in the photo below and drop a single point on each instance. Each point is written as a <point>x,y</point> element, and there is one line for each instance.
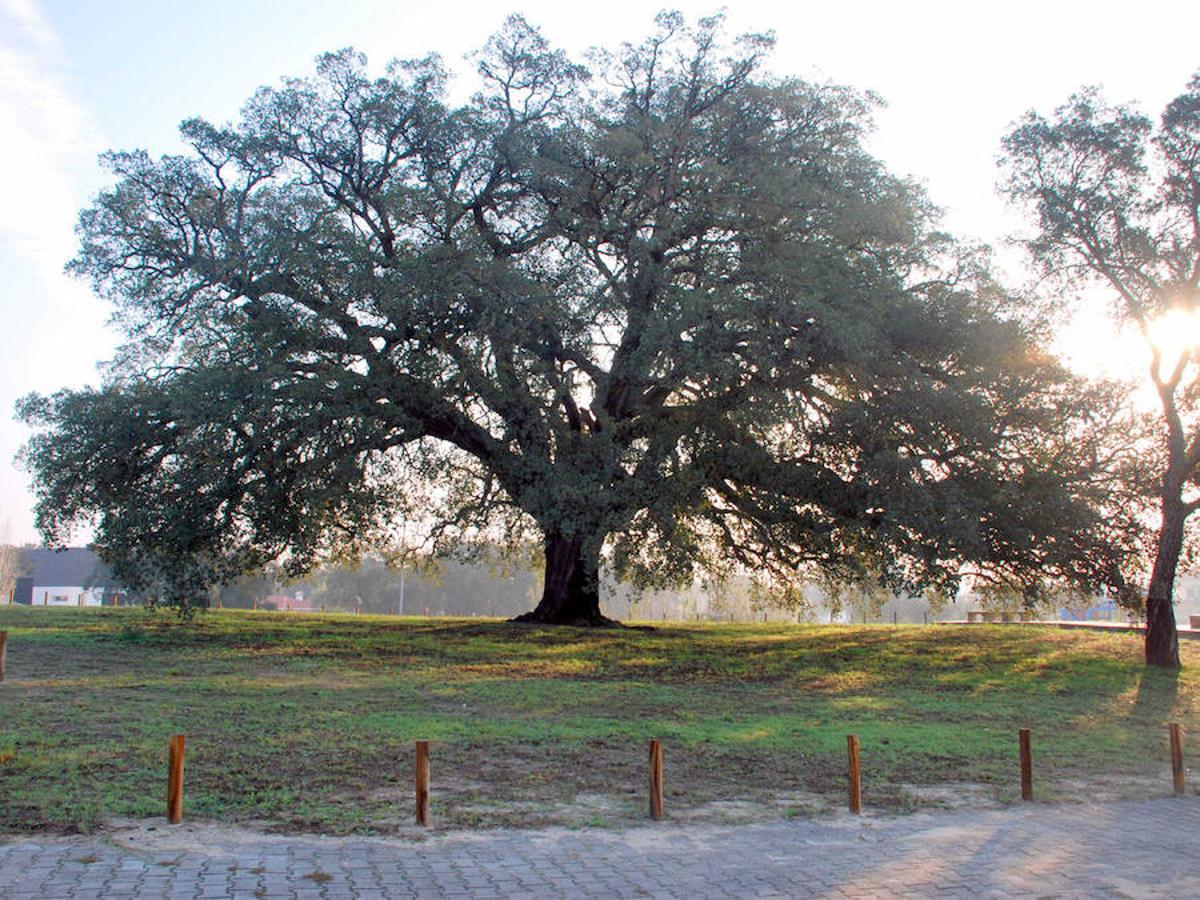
<point>3,642</point>
<point>656,780</point>
<point>423,783</point>
<point>175,780</point>
<point>1026,766</point>
<point>855,773</point>
<point>1176,750</point>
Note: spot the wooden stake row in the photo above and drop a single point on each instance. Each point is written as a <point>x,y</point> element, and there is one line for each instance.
<point>1176,738</point>
<point>854,771</point>
<point>422,785</point>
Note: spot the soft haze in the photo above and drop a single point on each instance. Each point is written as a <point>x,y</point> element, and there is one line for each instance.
<point>80,77</point>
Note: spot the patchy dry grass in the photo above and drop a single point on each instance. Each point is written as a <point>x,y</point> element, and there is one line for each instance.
<point>307,722</point>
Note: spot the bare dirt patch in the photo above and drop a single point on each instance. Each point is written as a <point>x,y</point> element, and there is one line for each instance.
<point>958,795</point>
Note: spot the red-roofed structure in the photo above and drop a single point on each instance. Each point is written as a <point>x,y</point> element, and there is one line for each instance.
<point>284,603</point>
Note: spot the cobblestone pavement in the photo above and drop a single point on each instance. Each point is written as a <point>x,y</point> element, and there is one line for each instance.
<point>1123,849</point>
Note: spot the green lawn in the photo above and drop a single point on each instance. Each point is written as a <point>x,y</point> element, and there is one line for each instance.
<point>307,722</point>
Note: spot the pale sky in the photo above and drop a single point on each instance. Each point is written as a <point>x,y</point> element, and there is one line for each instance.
<point>81,76</point>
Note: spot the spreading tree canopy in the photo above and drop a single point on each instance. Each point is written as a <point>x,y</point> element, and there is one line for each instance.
<point>665,310</point>
<point>1117,202</point>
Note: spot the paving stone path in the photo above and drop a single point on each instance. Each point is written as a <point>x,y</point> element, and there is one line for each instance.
<point>1149,848</point>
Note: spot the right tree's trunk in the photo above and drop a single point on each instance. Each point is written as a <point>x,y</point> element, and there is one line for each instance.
<point>571,589</point>
<point>1162,640</point>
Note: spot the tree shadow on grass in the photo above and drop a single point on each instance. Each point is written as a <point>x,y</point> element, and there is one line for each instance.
<point>1157,695</point>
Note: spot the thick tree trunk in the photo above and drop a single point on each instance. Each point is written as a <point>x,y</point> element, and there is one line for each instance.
<point>1162,640</point>
<point>571,590</point>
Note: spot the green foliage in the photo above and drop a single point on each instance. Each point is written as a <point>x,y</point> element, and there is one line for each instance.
<point>668,308</point>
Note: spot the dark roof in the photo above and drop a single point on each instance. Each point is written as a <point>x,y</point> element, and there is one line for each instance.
<point>72,567</point>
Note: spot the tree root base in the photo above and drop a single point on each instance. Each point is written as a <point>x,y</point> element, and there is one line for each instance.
<point>592,621</point>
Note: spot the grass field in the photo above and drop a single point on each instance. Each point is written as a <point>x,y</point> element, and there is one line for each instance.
<point>301,722</point>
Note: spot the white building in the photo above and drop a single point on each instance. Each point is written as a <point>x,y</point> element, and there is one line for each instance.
<point>71,577</point>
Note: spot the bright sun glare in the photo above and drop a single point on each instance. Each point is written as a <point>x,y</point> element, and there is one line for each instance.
<point>1174,333</point>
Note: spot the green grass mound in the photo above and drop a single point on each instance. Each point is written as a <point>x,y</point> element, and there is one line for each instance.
<point>298,722</point>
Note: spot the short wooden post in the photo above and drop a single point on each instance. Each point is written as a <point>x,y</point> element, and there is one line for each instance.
<point>1176,748</point>
<point>3,642</point>
<point>423,783</point>
<point>855,773</point>
<point>656,780</point>
<point>1026,766</point>
<point>175,780</point>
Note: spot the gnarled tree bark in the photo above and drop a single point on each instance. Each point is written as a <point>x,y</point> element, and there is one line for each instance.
<point>1162,639</point>
<point>571,589</point>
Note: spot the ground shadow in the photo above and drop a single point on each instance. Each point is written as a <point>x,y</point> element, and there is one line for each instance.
<point>1157,693</point>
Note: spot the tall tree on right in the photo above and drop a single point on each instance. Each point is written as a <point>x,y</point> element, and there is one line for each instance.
<point>1117,199</point>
